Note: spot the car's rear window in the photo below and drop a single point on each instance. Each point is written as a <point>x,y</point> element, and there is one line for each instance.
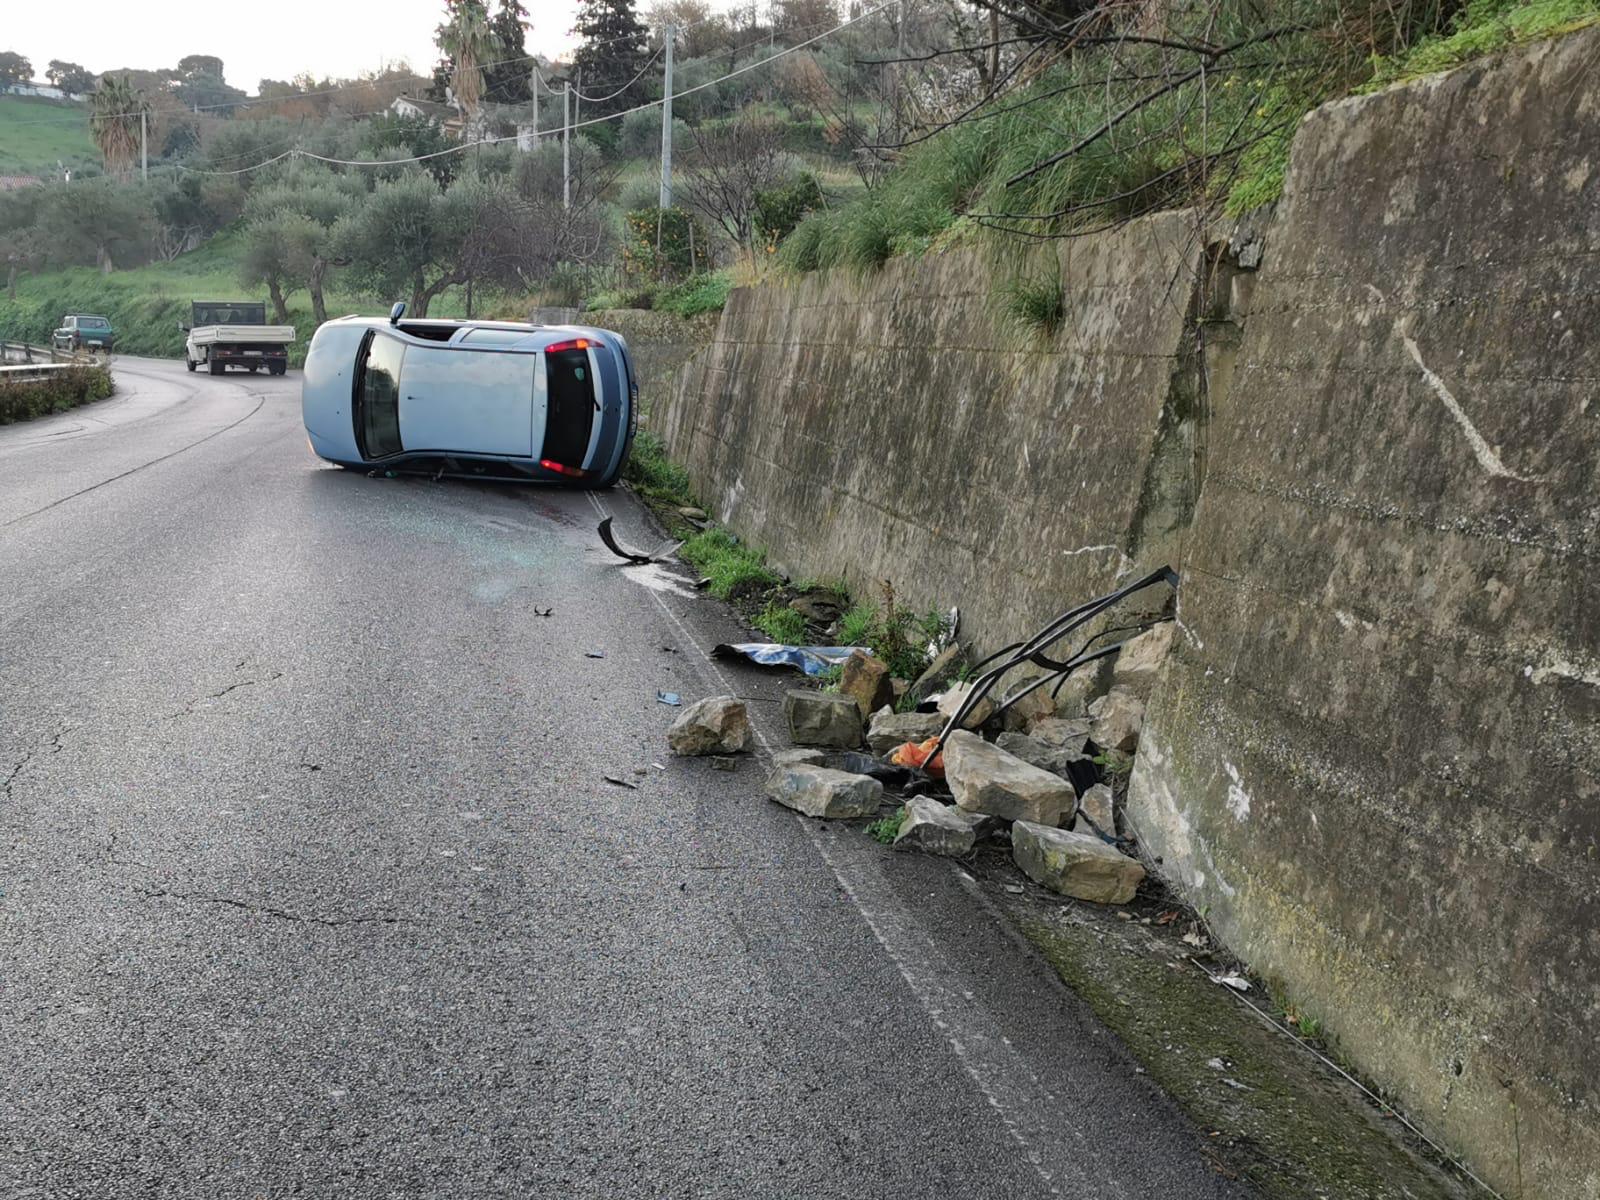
<point>569,414</point>
<point>378,397</point>
<point>93,323</point>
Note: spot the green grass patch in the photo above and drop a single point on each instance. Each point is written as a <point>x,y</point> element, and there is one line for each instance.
<point>37,134</point>
<point>782,624</point>
<point>888,828</point>
<point>1035,303</point>
<point>1482,27</point>
<point>20,401</point>
<point>656,476</point>
<point>733,567</point>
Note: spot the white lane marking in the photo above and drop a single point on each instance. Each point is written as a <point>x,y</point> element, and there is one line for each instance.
<point>1019,1098</point>
<point>1485,453</point>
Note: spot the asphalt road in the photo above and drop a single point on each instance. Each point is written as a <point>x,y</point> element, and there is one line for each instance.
<point>312,883</point>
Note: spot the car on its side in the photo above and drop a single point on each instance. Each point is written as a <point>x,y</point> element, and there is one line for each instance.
<point>492,399</point>
<point>84,331</point>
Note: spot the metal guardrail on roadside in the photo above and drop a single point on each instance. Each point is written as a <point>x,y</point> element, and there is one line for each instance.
<point>21,360</point>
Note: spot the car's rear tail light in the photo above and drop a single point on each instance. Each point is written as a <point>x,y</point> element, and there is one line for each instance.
<point>575,344</point>
<point>562,469</point>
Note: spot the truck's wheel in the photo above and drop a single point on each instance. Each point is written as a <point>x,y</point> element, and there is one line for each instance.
<point>188,362</point>
<point>280,368</point>
<point>252,368</point>
<point>216,368</point>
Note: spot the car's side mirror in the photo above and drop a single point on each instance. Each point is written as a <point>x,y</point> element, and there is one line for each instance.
<point>398,311</point>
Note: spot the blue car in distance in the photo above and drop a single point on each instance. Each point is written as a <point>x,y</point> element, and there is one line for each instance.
<point>485,399</point>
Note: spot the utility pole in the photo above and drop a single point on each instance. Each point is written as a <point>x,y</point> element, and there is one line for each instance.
<point>666,123</point>
<point>144,146</point>
<point>566,144</point>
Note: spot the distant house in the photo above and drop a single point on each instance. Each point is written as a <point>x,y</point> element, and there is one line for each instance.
<point>47,91</point>
<point>446,116</point>
<point>491,120</point>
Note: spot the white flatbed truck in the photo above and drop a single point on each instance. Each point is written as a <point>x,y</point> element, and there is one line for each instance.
<point>235,333</point>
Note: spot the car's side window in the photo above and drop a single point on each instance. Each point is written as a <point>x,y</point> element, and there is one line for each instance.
<point>378,396</point>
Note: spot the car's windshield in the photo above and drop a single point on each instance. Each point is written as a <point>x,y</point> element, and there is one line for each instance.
<point>93,323</point>
<point>378,397</point>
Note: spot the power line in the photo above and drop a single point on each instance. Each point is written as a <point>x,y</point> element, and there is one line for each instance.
<point>616,116</point>
<point>588,99</point>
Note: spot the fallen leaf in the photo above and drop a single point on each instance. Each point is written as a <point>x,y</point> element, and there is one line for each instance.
<point>622,783</point>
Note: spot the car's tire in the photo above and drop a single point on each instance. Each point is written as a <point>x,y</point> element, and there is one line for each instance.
<point>216,368</point>
<point>188,362</point>
<point>280,369</point>
<point>252,368</point>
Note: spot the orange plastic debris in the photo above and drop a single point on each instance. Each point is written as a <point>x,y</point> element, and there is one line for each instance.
<point>915,754</point>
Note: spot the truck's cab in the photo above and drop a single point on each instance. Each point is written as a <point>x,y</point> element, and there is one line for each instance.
<point>224,333</point>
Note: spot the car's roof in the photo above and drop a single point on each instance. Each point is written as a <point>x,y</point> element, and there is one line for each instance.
<point>80,316</point>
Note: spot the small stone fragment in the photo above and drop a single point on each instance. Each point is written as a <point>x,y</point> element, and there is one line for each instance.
<point>1097,806</point>
<point>823,792</point>
<point>891,729</point>
<point>1140,659</point>
<point>689,512</point>
<point>866,680</point>
<point>945,664</point>
<point>800,757</point>
<point>1074,864</point>
<point>955,696</point>
<point>1030,709</point>
<point>984,778</point>
<point>715,725</point>
<point>1067,733</point>
<point>1116,720</point>
<point>937,828</point>
<point>822,718</point>
<point>1030,750</point>
<point>723,763</point>
<point>819,606</point>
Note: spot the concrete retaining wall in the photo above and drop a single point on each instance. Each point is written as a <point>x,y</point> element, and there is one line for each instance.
<point>1374,758</point>
<point>1376,754</point>
<point>896,427</point>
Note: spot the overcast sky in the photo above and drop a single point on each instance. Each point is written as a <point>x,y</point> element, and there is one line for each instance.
<point>274,40</point>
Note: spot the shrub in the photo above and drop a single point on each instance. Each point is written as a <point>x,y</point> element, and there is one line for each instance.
<point>664,243</point>
<point>695,295</point>
<point>58,392</point>
<point>782,624</point>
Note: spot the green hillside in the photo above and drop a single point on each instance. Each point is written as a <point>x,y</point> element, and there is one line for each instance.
<point>35,134</point>
<point>146,304</point>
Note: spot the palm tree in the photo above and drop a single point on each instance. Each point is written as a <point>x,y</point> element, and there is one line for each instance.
<point>470,42</point>
<point>114,111</point>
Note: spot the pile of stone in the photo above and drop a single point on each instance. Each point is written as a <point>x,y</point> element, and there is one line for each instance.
<point>1027,775</point>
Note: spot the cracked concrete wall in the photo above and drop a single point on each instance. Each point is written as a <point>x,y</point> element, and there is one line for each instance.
<point>1374,758</point>
<point>896,426</point>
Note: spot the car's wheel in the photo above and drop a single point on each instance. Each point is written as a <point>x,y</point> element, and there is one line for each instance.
<point>216,368</point>
<point>280,368</point>
<point>188,362</point>
<point>252,368</point>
